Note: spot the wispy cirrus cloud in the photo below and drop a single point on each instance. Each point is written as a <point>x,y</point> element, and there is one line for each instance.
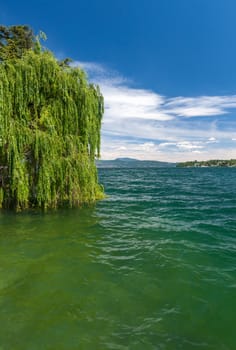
<point>144,124</point>
<point>183,145</point>
<point>201,106</point>
<point>90,67</point>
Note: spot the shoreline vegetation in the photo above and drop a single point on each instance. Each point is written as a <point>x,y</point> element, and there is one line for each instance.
<point>50,122</point>
<point>208,163</point>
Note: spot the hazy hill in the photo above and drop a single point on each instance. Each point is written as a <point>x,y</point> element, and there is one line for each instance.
<point>132,163</point>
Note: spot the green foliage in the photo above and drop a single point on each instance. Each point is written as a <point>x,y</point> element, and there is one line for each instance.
<point>209,163</point>
<point>50,120</point>
<point>15,41</point>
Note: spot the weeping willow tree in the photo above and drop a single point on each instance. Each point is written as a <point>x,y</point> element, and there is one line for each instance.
<point>50,120</point>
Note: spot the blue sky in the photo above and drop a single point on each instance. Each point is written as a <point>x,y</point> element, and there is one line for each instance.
<point>167,69</point>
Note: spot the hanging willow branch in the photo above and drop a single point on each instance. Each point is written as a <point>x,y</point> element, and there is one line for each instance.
<point>50,120</point>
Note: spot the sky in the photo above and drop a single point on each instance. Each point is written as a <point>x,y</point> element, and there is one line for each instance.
<point>166,68</point>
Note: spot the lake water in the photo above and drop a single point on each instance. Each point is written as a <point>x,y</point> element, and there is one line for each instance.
<point>151,267</point>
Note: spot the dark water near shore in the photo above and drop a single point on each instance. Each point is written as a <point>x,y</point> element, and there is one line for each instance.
<point>151,267</point>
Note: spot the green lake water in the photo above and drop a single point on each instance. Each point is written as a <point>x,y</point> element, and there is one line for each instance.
<point>151,267</point>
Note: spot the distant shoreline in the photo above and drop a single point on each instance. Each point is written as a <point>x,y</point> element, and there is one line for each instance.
<point>132,163</point>
<point>215,163</point>
<point>136,163</point>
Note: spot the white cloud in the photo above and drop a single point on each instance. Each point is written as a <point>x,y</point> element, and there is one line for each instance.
<point>122,102</point>
<point>189,145</point>
<point>186,145</point>
<point>90,67</point>
<point>201,106</point>
<point>167,144</point>
<point>212,139</point>
<point>147,125</point>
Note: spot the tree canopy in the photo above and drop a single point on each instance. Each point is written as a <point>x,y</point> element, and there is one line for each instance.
<point>15,40</point>
<point>50,121</point>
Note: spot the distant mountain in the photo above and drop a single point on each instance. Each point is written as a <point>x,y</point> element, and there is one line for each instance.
<point>132,163</point>
<point>126,159</point>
